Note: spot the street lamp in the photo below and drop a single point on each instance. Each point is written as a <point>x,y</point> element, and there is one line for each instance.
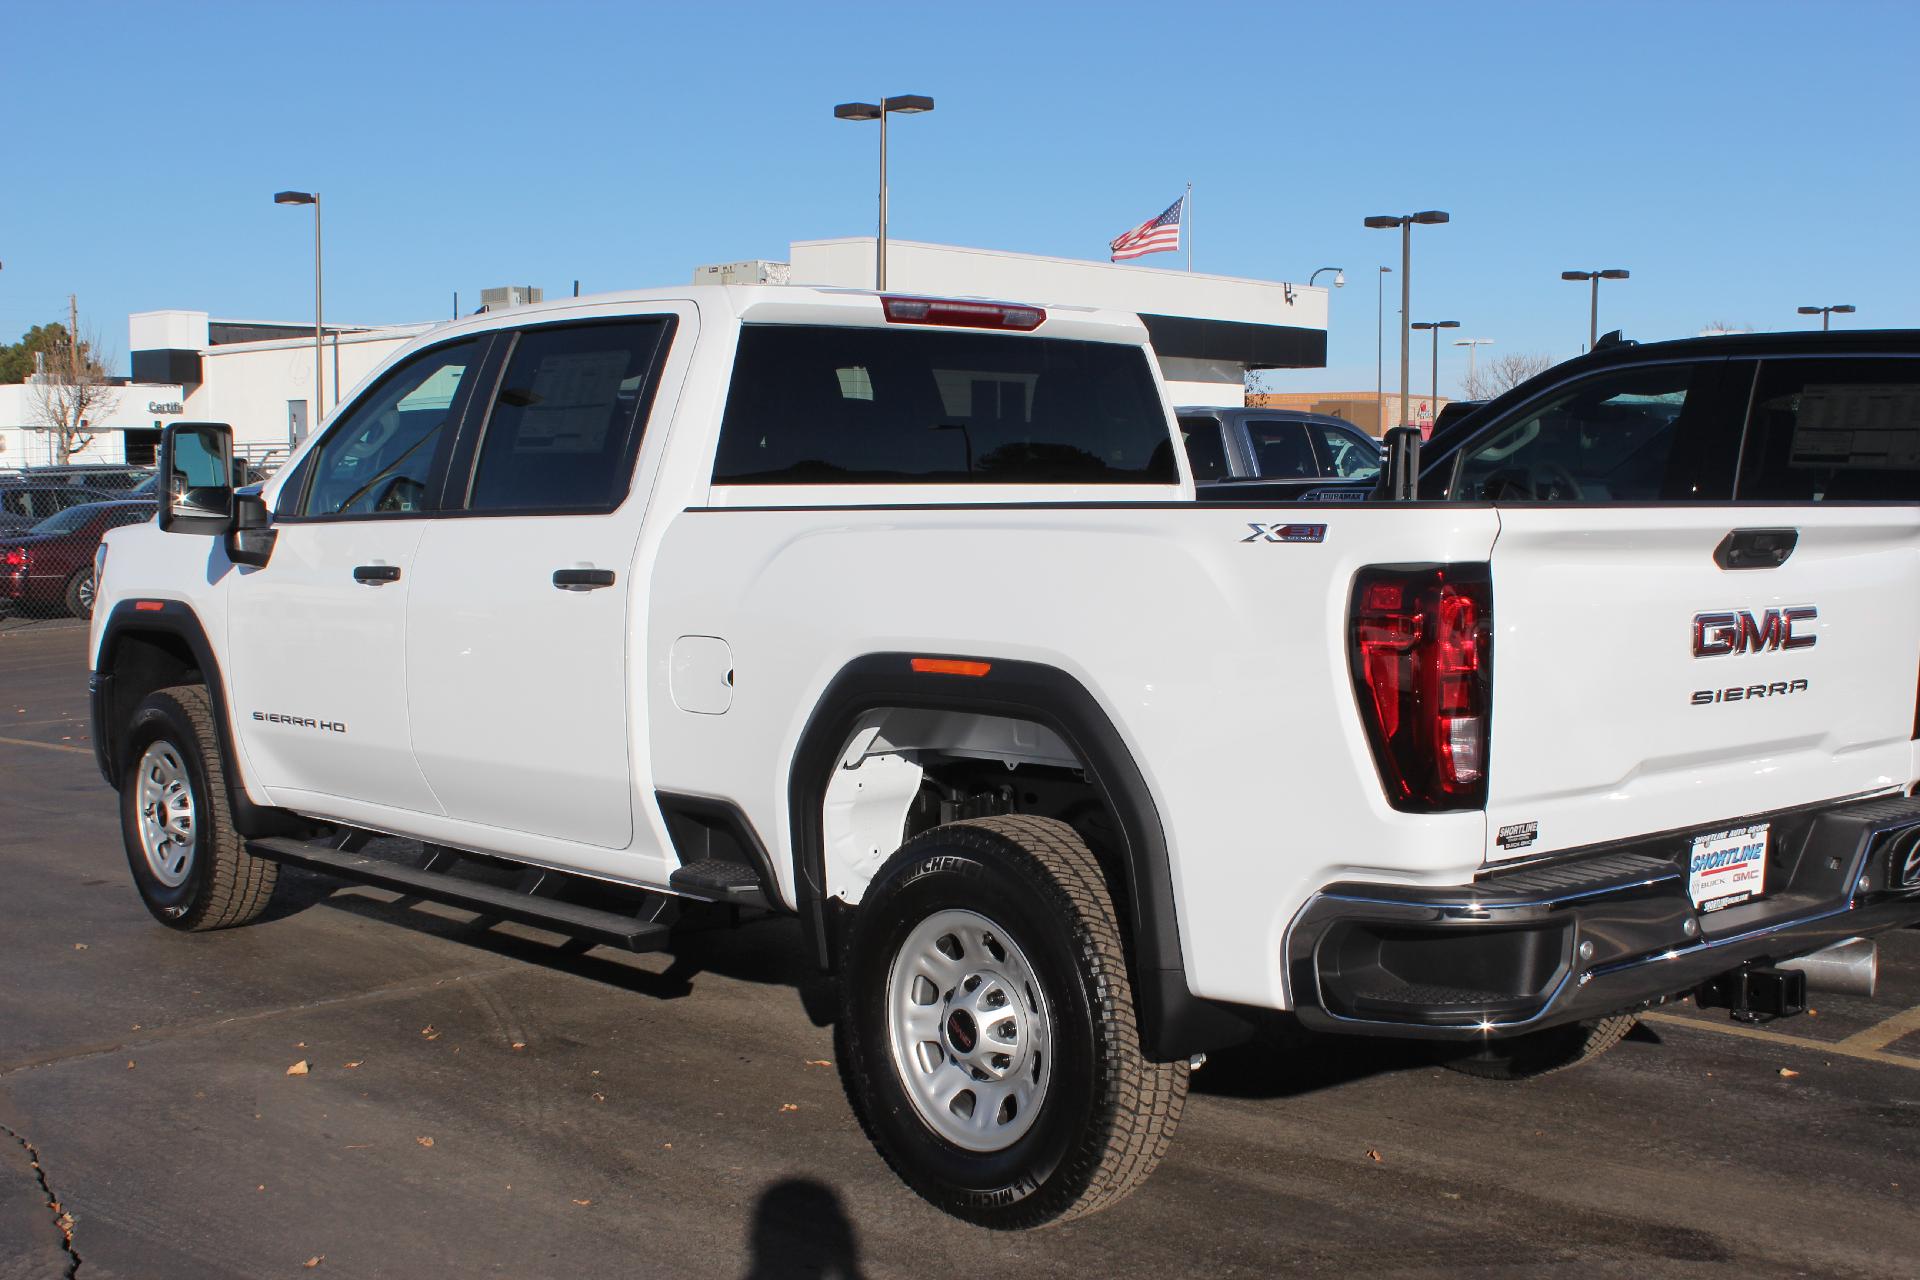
<point>1433,403</point>
<point>907,104</point>
<point>1471,344</point>
<point>1379,350</point>
<point>1844,309</point>
<point>1593,313</point>
<point>1405,222</point>
<point>319,386</point>
<point>1339,276</point>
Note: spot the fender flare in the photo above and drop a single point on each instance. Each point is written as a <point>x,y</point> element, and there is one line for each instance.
<point>1174,1022</point>
<point>175,619</point>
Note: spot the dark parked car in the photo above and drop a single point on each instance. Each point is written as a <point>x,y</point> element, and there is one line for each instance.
<point>1229,445</point>
<point>26,502</point>
<point>1761,417</point>
<point>106,477</point>
<point>50,568</point>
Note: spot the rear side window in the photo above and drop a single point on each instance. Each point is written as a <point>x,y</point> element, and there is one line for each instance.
<point>876,406</point>
<point>1281,450</point>
<point>566,422</point>
<point>1344,454</point>
<point>1659,433</point>
<point>382,458</point>
<point>1206,449</point>
<point>1834,430</point>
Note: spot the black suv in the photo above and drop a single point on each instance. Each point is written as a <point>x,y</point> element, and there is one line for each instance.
<point>1763,417</point>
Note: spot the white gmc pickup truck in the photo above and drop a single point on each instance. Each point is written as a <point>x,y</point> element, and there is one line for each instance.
<point>898,614</point>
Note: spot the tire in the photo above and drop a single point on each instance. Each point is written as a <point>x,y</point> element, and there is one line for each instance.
<point>1072,1117</point>
<point>79,594</point>
<point>1542,1053</point>
<point>174,802</point>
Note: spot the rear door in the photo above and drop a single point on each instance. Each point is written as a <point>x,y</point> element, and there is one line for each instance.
<point>524,603</point>
<point>1664,656</point>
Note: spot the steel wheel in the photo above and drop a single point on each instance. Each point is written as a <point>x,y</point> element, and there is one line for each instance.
<point>970,1030</point>
<point>166,816</point>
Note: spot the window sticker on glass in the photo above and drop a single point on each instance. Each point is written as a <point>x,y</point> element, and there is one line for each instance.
<point>1858,427</point>
<point>855,383</point>
<point>566,408</point>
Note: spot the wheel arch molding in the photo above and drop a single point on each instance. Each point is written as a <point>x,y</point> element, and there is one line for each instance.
<point>1174,1022</point>
<point>170,626</point>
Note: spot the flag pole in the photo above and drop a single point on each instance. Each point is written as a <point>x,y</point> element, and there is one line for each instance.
<point>1187,217</point>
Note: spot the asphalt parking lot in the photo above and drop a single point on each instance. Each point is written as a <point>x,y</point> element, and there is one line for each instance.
<point>498,1103</point>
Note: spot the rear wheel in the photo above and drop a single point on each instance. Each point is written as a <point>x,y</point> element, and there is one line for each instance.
<point>988,1041</point>
<point>79,596</point>
<point>191,867</point>
<point>1541,1053</point>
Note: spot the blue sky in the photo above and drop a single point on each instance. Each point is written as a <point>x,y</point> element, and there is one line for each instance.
<point>1738,159</point>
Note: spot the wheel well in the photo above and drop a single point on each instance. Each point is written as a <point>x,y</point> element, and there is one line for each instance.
<point>141,662</point>
<point>905,770</point>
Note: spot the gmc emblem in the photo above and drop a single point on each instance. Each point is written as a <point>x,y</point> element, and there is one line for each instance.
<point>1718,634</point>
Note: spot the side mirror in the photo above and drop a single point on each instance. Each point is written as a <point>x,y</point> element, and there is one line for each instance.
<point>196,478</point>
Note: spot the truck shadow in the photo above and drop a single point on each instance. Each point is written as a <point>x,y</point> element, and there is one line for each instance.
<point>1287,1062</point>
<point>767,952</point>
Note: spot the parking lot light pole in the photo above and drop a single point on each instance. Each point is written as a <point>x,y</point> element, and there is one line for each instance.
<point>1471,344</point>
<point>1825,313</point>
<point>906,104</point>
<point>319,364</point>
<point>1593,309</point>
<point>1379,350</point>
<point>1405,222</point>
<point>1433,401</point>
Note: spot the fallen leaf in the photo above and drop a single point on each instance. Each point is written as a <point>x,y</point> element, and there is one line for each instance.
<point>789,1106</point>
<point>583,1202</point>
<point>261,1187</point>
<point>301,1045</point>
<point>348,1066</point>
<point>1788,1073</point>
<point>314,1261</point>
<point>819,1062</point>
<point>599,1097</point>
<point>129,1064</point>
<point>429,1032</point>
<point>519,1044</point>
<point>1375,1156</point>
<point>667,1145</point>
<point>1451,1195</point>
<point>425,1142</point>
<point>79,946</point>
<point>299,1068</point>
<point>359,1146</point>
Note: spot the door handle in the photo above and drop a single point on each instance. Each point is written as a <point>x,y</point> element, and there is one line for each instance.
<point>375,574</point>
<point>582,579</point>
<point>1756,548</point>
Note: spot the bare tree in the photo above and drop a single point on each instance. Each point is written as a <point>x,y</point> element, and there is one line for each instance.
<point>1715,327</point>
<point>71,392</point>
<point>1503,372</point>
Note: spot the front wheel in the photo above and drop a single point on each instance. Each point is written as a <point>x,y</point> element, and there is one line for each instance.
<point>191,867</point>
<point>988,1039</point>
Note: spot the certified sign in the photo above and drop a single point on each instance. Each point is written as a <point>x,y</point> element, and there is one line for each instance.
<point>1727,867</point>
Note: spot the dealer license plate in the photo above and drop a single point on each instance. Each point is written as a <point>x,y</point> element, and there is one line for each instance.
<point>1728,867</point>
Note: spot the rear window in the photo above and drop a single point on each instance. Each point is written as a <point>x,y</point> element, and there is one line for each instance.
<point>1834,430</point>
<point>818,405</point>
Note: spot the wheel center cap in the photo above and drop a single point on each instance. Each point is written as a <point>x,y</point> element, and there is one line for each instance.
<point>962,1032</point>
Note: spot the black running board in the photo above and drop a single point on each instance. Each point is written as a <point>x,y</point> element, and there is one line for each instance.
<point>609,928</point>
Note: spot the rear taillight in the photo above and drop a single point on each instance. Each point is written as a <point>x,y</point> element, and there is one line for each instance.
<point>964,315</point>
<point>1422,653</point>
<point>15,558</point>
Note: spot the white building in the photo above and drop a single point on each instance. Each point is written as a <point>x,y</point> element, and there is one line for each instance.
<point>1207,330</point>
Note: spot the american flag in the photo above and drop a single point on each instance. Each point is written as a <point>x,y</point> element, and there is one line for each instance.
<point>1155,235</point>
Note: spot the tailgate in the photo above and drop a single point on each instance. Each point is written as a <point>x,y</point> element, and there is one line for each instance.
<point>1640,687</point>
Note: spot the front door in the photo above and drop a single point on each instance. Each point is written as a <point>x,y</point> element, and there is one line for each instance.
<point>317,638</point>
<point>524,608</point>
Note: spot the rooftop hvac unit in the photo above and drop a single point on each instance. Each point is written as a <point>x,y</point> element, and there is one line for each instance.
<point>753,271</point>
<point>511,295</point>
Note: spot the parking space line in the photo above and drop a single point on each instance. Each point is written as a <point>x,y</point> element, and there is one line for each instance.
<point>46,746</point>
<point>1880,1035</point>
<point>1840,1048</point>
